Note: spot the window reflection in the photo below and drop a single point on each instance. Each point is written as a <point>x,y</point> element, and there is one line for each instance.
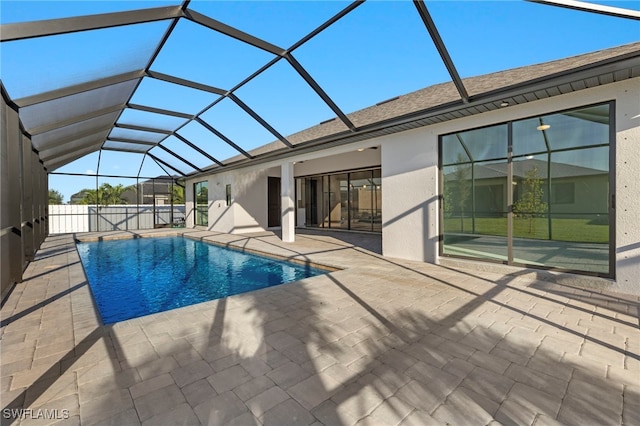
<point>559,187</point>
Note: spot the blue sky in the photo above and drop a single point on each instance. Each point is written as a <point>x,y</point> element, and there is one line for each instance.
<point>380,50</point>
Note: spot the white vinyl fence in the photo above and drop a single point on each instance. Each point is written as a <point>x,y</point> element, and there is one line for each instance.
<point>88,218</point>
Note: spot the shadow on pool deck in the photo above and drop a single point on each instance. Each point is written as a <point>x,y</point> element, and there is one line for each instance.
<point>381,342</point>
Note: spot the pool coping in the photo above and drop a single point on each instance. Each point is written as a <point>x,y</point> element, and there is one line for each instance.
<point>175,233</point>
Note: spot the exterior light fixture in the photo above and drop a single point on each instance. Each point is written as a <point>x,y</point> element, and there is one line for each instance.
<point>360,149</point>
<point>504,104</point>
<point>543,127</point>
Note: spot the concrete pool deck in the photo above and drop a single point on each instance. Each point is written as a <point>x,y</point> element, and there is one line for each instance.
<point>380,342</point>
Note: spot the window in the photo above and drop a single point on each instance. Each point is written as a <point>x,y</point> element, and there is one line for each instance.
<point>530,192</point>
<point>201,197</point>
<point>228,193</point>
<point>563,193</point>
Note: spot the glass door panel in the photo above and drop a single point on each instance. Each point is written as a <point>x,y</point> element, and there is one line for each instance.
<point>376,202</point>
<point>559,190</point>
<point>580,209</point>
<point>361,201</point>
<point>531,220</point>
<point>475,210</point>
<point>313,201</point>
<point>337,202</point>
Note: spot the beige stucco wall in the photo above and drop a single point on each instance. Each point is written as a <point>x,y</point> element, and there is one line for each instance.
<point>627,186</point>
<point>410,179</point>
<point>248,211</point>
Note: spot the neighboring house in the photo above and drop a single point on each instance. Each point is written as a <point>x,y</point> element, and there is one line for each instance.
<point>77,197</point>
<point>158,189</point>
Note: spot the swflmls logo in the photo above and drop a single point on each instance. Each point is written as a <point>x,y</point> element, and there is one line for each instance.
<point>41,413</point>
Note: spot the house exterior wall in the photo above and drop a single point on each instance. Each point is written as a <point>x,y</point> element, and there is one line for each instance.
<point>410,179</point>
<point>627,186</point>
<point>248,210</point>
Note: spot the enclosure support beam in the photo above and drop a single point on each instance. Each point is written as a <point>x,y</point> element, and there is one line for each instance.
<point>287,191</point>
<point>442,50</point>
<point>618,12</point>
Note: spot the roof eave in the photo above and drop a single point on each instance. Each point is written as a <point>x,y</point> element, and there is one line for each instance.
<point>599,73</point>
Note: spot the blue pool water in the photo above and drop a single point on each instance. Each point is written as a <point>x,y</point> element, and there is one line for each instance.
<point>136,277</point>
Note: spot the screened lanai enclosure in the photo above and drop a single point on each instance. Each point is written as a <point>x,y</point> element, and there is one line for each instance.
<point>146,95</point>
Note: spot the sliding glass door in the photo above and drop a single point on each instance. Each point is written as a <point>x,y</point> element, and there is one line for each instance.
<point>351,201</point>
<point>531,192</point>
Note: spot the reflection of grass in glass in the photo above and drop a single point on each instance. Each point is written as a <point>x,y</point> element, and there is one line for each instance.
<point>576,230</point>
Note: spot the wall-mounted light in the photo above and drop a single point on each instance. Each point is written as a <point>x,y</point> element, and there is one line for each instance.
<point>504,104</point>
<point>360,149</point>
<point>543,127</point>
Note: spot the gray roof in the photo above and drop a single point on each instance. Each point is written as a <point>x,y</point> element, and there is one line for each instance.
<point>433,98</point>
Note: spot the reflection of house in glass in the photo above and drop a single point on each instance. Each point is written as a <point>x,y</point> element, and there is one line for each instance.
<point>533,191</point>
<point>566,187</point>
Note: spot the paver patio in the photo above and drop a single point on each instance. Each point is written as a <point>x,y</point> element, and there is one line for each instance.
<point>379,342</point>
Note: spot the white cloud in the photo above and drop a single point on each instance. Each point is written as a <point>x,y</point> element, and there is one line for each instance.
<point>90,172</point>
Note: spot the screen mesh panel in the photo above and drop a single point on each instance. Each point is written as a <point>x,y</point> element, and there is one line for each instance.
<point>47,63</point>
<point>385,51</point>
<point>196,133</point>
<point>497,27</point>
<point>289,21</point>
<point>44,140</point>
<point>120,163</point>
<point>151,169</point>
<point>59,150</point>
<point>224,116</point>
<point>186,152</point>
<point>71,86</point>
<point>56,162</point>
<point>171,160</point>
<point>234,60</point>
<point>87,164</point>
<point>150,119</point>
<point>277,96</point>
<point>66,108</point>
<point>172,97</point>
<point>139,135</point>
<point>126,146</point>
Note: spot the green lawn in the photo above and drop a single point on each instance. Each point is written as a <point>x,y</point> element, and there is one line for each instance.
<point>574,230</point>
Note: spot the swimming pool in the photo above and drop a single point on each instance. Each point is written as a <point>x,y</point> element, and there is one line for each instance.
<point>136,277</point>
